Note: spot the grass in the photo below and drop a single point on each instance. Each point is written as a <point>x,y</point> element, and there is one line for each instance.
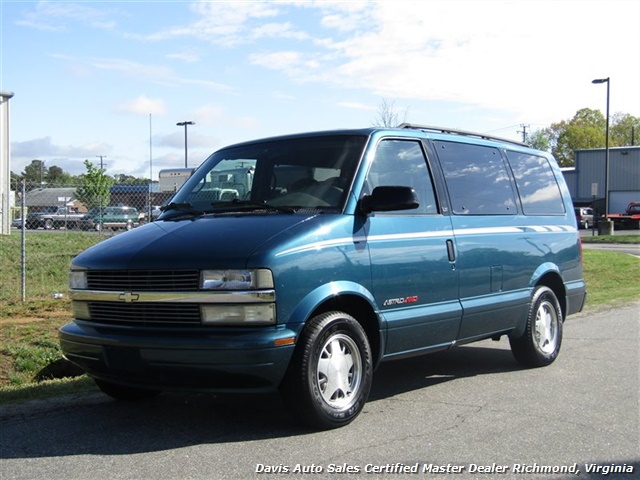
<point>612,239</point>
<point>611,277</point>
<point>47,259</point>
<point>28,331</point>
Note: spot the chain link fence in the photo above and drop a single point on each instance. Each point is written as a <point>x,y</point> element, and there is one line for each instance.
<point>50,225</point>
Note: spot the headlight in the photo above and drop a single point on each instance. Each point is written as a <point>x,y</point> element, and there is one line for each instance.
<point>78,280</point>
<point>236,279</point>
<point>245,314</point>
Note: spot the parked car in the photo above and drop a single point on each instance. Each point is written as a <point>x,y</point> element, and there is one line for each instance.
<point>629,219</point>
<point>110,217</point>
<point>302,262</point>
<point>54,217</point>
<point>155,213</point>
<point>584,217</point>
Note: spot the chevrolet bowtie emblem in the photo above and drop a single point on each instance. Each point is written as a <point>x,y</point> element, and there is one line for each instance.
<point>128,297</point>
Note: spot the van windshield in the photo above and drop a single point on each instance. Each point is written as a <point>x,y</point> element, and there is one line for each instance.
<point>282,175</point>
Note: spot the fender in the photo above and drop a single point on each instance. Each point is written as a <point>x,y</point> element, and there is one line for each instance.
<point>541,271</point>
<point>329,291</point>
<point>323,293</point>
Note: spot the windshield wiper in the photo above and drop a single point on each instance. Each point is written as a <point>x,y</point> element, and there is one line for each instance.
<point>181,209</point>
<point>257,205</point>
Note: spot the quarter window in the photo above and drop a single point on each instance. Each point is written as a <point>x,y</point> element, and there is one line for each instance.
<point>477,179</point>
<point>536,183</point>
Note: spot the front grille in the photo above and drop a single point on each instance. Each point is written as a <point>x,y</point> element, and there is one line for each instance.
<point>144,280</point>
<point>145,314</point>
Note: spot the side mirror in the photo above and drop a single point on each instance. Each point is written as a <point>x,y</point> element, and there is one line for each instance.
<point>389,198</point>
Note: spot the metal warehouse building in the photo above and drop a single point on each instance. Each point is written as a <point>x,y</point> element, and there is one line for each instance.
<point>586,180</point>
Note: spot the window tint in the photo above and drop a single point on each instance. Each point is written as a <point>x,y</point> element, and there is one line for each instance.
<point>477,179</point>
<point>402,163</point>
<point>536,183</point>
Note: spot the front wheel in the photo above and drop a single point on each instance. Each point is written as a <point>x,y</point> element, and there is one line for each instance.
<point>330,374</point>
<point>540,343</point>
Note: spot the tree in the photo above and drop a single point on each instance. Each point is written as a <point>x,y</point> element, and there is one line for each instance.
<point>539,139</point>
<point>96,188</point>
<point>388,116</point>
<point>624,130</point>
<point>586,130</point>
<point>58,178</point>
<point>35,172</point>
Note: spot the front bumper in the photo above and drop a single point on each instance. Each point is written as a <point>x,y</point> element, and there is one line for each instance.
<point>223,360</point>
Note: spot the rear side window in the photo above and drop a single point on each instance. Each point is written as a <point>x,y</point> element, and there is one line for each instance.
<point>536,183</point>
<point>477,179</point>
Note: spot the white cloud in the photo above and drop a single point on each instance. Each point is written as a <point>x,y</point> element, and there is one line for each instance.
<point>56,16</point>
<point>187,57</point>
<point>533,58</point>
<point>143,105</point>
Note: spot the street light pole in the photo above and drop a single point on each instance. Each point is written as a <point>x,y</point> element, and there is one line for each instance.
<point>606,149</point>
<point>184,124</point>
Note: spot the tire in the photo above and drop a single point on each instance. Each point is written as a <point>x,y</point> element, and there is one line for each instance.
<point>48,224</point>
<point>128,226</point>
<point>121,392</point>
<point>330,374</point>
<point>97,227</point>
<point>540,344</point>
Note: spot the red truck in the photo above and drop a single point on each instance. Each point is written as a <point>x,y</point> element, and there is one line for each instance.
<point>629,219</point>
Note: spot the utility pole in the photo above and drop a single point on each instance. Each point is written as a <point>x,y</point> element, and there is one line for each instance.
<point>101,162</point>
<point>524,131</point>
<point>185,124</point>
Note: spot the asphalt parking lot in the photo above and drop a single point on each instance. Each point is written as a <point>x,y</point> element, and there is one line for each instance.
<point>468,406</point>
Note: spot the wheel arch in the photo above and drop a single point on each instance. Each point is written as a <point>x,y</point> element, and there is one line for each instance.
<point>348,298</point>
<point>363,312</point>
<point>548,275</point>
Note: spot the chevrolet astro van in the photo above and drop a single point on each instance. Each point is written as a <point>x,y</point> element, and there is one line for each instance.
<point>302,262</point>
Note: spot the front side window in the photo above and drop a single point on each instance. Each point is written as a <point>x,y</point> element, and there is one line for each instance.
<point>477,179</point>
<point>286,175</point>
<point>402,163</point>
<point>536,183</point>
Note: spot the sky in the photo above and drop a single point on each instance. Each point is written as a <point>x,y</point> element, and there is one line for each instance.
<point>107,81</point>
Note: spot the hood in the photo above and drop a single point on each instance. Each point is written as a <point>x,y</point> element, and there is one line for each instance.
<point>204,242</point>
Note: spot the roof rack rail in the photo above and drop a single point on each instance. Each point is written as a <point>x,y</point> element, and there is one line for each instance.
<point>460,132</point>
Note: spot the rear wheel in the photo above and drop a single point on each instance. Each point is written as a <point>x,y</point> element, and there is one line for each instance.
<point>48,224</point>
<point>121,392</point>
<point>540,343</point>
<point>329,377</point>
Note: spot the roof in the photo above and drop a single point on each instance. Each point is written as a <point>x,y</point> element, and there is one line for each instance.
<point>43,197</point>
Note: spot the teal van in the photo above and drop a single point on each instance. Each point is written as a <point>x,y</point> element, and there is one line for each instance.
<point>302,262</point>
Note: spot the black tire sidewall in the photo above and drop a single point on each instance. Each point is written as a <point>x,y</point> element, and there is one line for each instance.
<point>525,348</point>
<point>301,387</point>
